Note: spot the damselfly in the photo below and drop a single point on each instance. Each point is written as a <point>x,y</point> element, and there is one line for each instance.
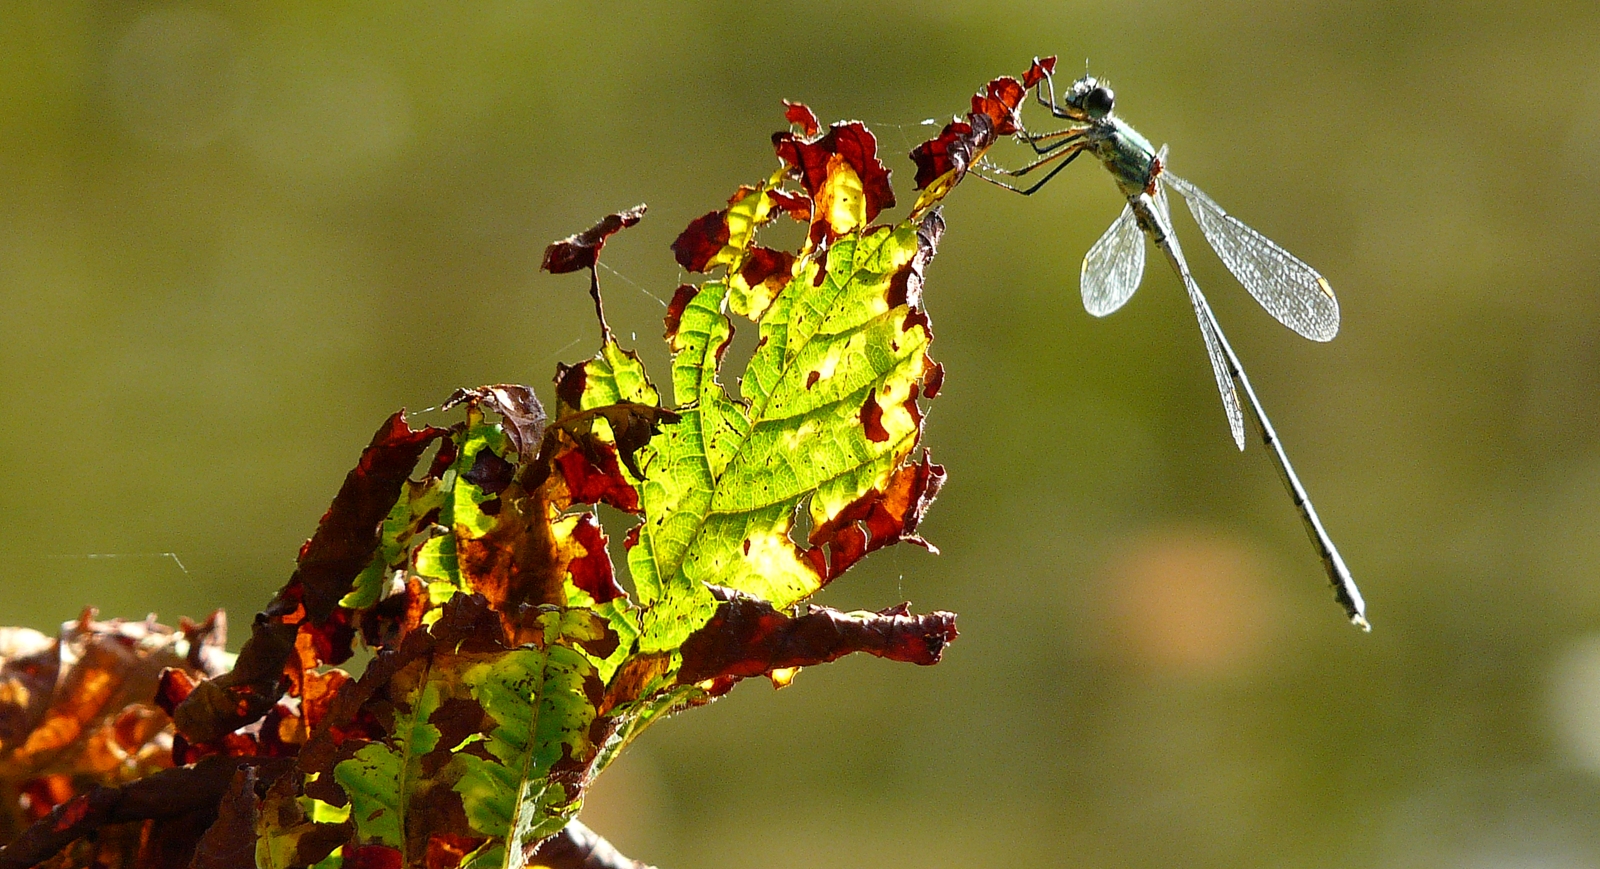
<point>1290,290</point>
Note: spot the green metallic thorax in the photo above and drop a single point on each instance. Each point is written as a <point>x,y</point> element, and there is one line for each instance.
<point>1127,155</point>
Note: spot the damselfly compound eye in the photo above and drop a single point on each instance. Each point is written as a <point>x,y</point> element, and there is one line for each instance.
<point>1098,101</point>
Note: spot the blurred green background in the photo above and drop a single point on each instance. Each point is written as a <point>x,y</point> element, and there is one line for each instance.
<point>233,238</point>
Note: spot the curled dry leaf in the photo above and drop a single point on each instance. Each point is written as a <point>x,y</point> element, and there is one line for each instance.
<point>748,637</point>
<point>582,250</point>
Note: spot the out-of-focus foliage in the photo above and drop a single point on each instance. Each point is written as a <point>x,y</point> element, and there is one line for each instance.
<point>77,710</point>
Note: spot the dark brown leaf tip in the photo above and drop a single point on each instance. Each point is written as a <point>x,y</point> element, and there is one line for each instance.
<point>701,240</point>
<point>582,251</point>
<point>748,637</point>
<point>680,303</point>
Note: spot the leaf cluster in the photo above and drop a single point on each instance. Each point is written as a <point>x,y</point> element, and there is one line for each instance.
<point>511,664</point>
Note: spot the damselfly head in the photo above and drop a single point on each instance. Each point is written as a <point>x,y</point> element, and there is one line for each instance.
<point>1088,100</point>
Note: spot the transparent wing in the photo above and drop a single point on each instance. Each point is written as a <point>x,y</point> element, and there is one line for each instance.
<point>1290,290</point>
<point>1208,329</point>
<point>1112,268</point>
<point>1219,365</point>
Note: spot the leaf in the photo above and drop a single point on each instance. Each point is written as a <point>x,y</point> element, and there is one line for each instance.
<point>801,114</point>
<point>996,111</point>
<point>1040,70</point>
<point>75,710</point>
<point>605,404</point>
<point>582,251</point>
<point>518,407</point>
<point>841,345</point>
<point>493,536</point>
<point>727,238</point>
<point>229,842</point>
<point>379,779</point>
<point>461,513</point>
<point>348,534</point>
<point>329,565</point>
<point>542,702</point>
<point>287,834</point>
<point>749,637</point>
<point>409,520</point>
<point>841,174</point>
<point>591,572</point>
<point>474,738</point>
<point>701,241</point>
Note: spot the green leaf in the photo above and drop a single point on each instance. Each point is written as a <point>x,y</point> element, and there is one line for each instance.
<point>829,413</point>
<point>616,375</point>
<point>539,701</point>
<point>418,500</point>
<point>381,777</point>
<point>460,512</point>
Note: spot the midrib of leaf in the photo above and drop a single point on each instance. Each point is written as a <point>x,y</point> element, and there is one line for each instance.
<point>715,406</point>
<point>492,684</point>
<point>792,356</point>
<point>348,773</point>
